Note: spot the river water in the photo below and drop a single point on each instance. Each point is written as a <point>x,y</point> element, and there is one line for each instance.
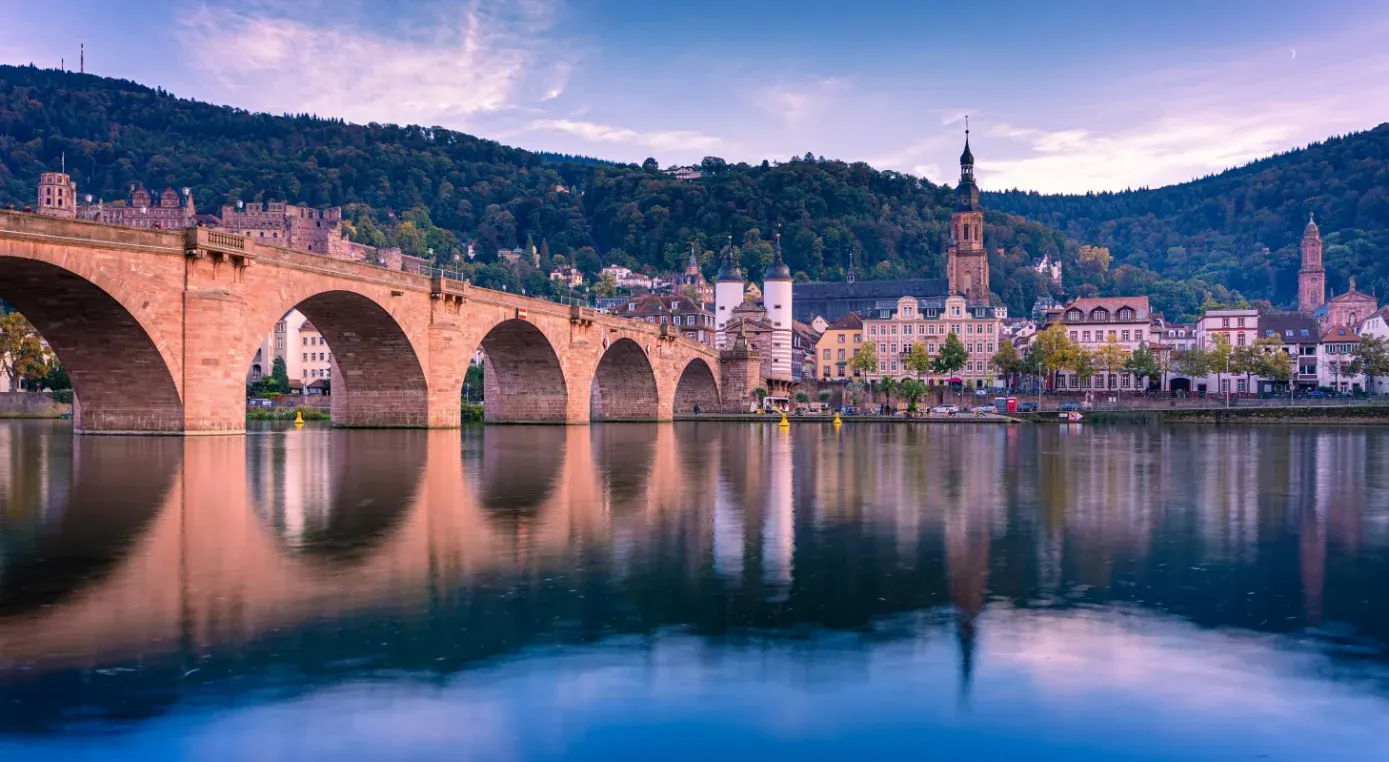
<point>696,591</point>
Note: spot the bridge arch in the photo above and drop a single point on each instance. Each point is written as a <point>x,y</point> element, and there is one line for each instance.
<point>121,375</point>
<point>376,375</point>
<point>523,380</point>
<point>697,387</point>
<point>624,385</point>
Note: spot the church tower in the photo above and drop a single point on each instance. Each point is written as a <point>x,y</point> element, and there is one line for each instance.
<point>728,293</point>
<point>967,264</point>
<point>1311,279</point>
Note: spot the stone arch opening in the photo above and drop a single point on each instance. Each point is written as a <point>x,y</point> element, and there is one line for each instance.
<point>624,385</point>
<point>119,377</point>
<point>697,388</point>
<point>522,379</point>
<point>345,346</point>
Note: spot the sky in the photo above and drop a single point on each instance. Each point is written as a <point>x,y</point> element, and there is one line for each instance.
<point>1062,96</point>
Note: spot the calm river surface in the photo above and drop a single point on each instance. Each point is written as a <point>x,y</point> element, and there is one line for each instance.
<point>696,592</point>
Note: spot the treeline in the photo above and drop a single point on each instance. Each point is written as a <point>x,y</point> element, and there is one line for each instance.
<point>431,191</point>
<point>1240,228</point>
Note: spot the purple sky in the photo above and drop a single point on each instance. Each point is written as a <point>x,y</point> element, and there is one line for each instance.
<point>1063,96</point>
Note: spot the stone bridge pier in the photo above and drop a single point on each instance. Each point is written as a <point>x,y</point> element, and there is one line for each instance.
<point>158,330</point>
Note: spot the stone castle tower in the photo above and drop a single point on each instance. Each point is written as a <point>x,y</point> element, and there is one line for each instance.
<point>1311,279</point>
<point>967,264</point>
<point>57,195</point>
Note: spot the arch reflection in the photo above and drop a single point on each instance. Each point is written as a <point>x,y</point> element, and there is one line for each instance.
<point>335,495</point>
<point>72,508</point>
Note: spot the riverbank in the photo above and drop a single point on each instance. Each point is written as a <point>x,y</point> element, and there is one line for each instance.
<point>822,420</point>
<point>32,405</point>
<point>1290,414</point>
<point>287,413</point>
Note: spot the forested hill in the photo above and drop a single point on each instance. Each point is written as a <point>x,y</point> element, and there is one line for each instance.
<point>1241,228</point>
<point>431,188</point>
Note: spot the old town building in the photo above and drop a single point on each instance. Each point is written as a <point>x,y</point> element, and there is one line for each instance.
<point>1094,323</point>
<point>1346,310</point>
<point>893,327</point>
<point>675,310</point>
<point>836,348</point>
<point>766,322</point>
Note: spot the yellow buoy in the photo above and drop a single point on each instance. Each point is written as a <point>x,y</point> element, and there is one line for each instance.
<point>298,417</point>
<point>837,422</point>
<point>784,423</point>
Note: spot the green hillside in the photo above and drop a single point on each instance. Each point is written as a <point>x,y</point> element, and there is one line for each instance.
<point>431,188</point>
<point>1240,228</point>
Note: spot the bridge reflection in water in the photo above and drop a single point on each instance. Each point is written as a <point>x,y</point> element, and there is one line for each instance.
<point>137,575</point>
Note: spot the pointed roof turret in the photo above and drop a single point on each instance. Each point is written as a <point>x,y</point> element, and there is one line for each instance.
<point>730,272</point>
<point>777,270</point>
<point>967,157</point>
<point>1311,225</point>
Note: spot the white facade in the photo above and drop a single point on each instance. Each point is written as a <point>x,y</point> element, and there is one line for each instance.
<point>728,294</point>
<point>776,297</point>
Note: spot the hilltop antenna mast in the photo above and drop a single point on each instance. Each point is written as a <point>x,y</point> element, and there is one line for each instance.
<point>82,58</point>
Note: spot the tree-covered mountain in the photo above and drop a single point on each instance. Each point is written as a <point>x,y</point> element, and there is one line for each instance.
<point>434,189</point>
<point>431,190</point>
<point>1240,228</point>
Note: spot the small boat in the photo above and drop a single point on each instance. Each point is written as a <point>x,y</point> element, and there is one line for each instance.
<point>1070,416</point>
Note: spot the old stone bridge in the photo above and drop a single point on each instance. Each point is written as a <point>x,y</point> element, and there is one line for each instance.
<point>157,330</point>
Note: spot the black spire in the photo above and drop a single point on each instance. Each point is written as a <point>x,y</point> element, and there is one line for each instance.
<point>967,193</point>
<point>777,270</point>
<point>730,271</point>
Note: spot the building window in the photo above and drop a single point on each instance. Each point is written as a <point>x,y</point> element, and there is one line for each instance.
<point>1225,322</point>
<point>1085,336</point>
<point>882,348</point>
<point>306,357</point>
<point>882,365</point>
<point>1073,335</point>
<point>840,337</point>
<point>1125,335</point>
<point>827,354</point>
<point>1241,339</point>
<point>841,355</point>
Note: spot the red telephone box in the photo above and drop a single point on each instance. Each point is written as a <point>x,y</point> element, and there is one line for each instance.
<point>1012,404</point>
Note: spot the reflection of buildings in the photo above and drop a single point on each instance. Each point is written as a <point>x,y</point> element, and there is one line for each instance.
<point>509,536</point>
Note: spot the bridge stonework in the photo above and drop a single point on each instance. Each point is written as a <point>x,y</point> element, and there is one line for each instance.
<point>158,329</point>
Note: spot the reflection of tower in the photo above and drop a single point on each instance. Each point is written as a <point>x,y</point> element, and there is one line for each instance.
<point>778,527</point>
<point>728,534</point>
<point>967,565</point>
<point>776,297</point>
<point>728,293</point>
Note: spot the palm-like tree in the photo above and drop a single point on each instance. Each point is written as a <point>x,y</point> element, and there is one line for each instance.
<point>889,387</point>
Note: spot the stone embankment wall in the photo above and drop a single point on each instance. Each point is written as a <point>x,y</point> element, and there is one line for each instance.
<point>31,405</point>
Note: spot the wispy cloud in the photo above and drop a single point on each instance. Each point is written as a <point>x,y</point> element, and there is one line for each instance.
<point>445,68</point>
<point>795,104</point>
<point>603,133</point>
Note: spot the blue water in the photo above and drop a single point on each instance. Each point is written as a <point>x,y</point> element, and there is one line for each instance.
<point>690,592</point>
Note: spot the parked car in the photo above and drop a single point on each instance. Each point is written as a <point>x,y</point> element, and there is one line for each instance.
<point>1027,407</point>
<point>986,410</point>
<point>944,410</point>
<point>848,410</point>
<point>259,402</point>
<point>1317,395</point>
<point>1069,407</point>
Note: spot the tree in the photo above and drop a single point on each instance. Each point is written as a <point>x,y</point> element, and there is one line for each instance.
<point>802,397</point>
<point>865,359</point>
<point>280,373</point>
<point>759,391</point>
<point>21,351</point>
<point>1219,357</point>
<point>1142,363</point>
<point>1007,362</point>
<point>1372,359</point>
<point>473,382</point>
<point>888,386</point>
<point>1274,363</point>
<point>919,360</point>
<point>951,357</point>
<point>1247,360</point>
<point>56,379</point>
<point>1084,363</point>
<point>1110,357</point>
<point>605,287</point>
<point>854,392</point>
<point>824,396</point>
<point>1053,350</point>
<point>1194,362</point>
<point>912,390</point>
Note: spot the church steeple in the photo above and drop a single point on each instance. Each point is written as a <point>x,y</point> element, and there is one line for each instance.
<point>967,193</point>
<point>1311,279</point>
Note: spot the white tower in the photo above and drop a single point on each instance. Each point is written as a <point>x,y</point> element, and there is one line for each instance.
<point>728,293</point>
<point>776,297</point>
